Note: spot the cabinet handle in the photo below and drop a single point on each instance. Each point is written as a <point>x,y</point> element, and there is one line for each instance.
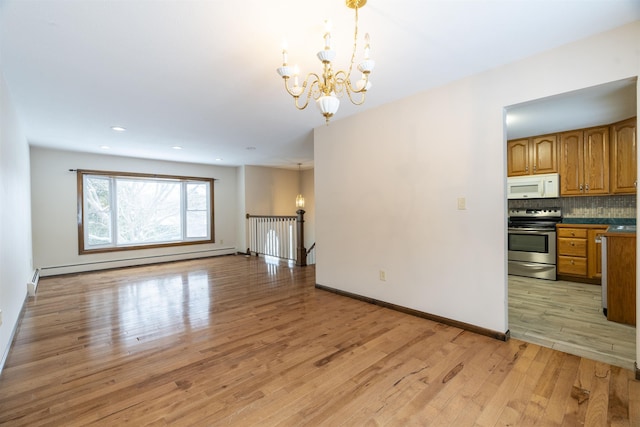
<point>573,234</point>
<point>635,183</point>
<point>535,168</point>
<point>526,168</point>
<point>581,189</point>
<point>573,243</point>
<point>572,262</point>
<point>587,188</point>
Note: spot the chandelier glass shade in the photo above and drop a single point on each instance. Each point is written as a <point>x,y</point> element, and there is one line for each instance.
<point>326,88</point>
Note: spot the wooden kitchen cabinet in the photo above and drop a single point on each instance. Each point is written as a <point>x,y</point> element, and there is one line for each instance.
<point>621,278</point>
<point>532,156</point>
<point>578,252</point>
<point>584,162</point>
<point>624,157</point>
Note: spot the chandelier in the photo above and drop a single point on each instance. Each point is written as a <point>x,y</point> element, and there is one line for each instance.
<point>326,89</point>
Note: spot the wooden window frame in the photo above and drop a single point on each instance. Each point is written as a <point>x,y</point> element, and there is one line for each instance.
<point>111,174</point>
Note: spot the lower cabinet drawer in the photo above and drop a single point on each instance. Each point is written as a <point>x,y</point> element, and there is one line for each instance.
<point>572,247</point>
<point>574,266</point>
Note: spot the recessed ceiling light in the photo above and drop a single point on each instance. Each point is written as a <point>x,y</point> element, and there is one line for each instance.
<point>118,128</point>
<point>251,148</point>
<point>218,159</point>
<point>104,147</point>
<point>177,147</point>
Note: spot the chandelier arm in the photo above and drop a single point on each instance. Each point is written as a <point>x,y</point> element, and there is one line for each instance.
<point>309,91</point>
<point>309,95</point>
<point>306,81</point>
<point>350,93</point>
<point>343,84</point>
<point>364,86</point>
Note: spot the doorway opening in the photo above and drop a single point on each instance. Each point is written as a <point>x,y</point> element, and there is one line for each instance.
<point>567,315</point>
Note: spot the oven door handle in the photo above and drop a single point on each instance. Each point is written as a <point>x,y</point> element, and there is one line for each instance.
<point>536,266</point>
<point>530,230</point>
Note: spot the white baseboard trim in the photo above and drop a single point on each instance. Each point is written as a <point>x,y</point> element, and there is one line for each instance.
<point>130,262</point>
<point>13,334</point>
<point>33,284</point>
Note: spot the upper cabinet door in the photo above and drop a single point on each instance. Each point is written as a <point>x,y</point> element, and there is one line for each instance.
<point>531,156</point>
<point>584,162</point>
<point>624,154</point>
<point>544,154</point>
<point>571,165</point>
<point>518,157</point>
<point>596,160</point>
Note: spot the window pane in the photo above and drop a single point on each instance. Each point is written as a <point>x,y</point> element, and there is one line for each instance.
<point>196,197</point>
<point>196,224</point>
<point>97,208</point>
<point>148,211</point>
<point>197,214</point>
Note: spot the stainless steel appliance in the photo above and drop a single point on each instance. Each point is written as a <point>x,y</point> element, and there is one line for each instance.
<point>532,242</point>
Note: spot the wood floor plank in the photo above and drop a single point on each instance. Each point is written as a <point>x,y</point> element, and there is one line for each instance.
<point>596,410</point>
<point>561,396</point>
<point>503,395</point>
<point>236,341</point>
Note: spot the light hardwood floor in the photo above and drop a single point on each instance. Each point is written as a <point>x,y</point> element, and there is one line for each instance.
<point>238,341</point>
<point>568,316</point>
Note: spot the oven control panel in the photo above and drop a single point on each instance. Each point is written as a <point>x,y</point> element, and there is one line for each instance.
<point>535,213</point>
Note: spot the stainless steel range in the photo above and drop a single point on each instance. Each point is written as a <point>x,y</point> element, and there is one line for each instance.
<point>532,242</point>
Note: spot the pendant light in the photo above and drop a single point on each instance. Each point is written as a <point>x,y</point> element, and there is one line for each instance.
<point>299,197</point>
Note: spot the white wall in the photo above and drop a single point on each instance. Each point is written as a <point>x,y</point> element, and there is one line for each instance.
<point>273,191</point>
<point>54,195</point>
<point>308,191</point>
<point>388,181</point>
<point>241,239</point>
<point>15,219</point>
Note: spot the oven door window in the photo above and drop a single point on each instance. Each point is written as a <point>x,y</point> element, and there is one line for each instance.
<point>524,242</point>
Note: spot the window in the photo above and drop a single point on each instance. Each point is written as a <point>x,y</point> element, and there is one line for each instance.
<point>122,211</point>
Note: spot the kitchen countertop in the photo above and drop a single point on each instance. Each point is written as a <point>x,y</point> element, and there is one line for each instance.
<point>612,230</point>
<point>581,224</point>
<point>624,231</point>
<point>600,221</point>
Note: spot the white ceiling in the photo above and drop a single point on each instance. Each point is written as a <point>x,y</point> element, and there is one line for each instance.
<point>201,74</point>
<point>593,106</point>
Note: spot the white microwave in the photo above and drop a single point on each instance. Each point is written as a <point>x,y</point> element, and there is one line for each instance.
<point>533,186</point>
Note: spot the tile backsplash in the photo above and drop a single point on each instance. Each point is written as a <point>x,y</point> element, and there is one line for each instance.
<point>621,206</point>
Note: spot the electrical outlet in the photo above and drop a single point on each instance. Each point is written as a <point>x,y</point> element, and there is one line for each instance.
<point>222,241</point>
<point>383,275</point>
<point>462,203</point>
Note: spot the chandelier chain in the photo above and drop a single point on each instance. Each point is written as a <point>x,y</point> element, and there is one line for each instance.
<point>355,45</point>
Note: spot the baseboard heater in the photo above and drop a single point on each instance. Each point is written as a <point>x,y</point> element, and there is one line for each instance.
<point>33,284</point>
